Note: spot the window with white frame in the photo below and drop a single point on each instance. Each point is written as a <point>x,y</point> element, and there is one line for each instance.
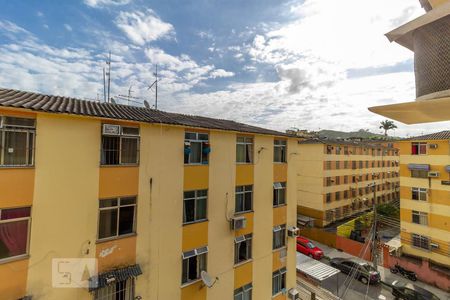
<point>419,193</point>
<point>195,206</point>
<point>244,292</point>
<point>419,148</point>
<point>279,193</point>
<point>17,137</point>
<point>279,151</point>
<point>196,148</point>
<point>117,217</point>
<point>14,231</point>
<point>120,290</point>
<point>194,262</point>
<point>420,241</point>
<point>244,198</point>
<point>242,248</point>
<point>278,281</point>
<point>420,217</point>
<point>244,149</point>
<point>279,236</point>
<point>120,145</point>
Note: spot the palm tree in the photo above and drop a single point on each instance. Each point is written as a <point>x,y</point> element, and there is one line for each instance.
<point>387,125</point>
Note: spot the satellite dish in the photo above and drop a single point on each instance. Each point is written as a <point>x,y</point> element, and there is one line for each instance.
<point>207,279</point>
<point>146,104</point>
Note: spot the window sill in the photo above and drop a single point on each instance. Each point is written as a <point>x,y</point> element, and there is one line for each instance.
<point>279,249</point>
<point>277,294</point>
<point>195,222</point>
<point>14,258</point>
<point>99,241</point>
<point>243,263</point>
<point>17,167</point>
<point>190,283</point>
<point>115,166</point>
<point>186,165</point>
<point>244,212</point>
<point>244,163</point>
<point>280,162</point>
<point>279,205</point>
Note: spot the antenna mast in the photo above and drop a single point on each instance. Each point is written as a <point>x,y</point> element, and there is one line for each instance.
<point>155,83</point>
<point>108,62</point>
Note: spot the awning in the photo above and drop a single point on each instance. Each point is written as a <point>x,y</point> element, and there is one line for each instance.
<point>314,268</point>
<point>421,167</point>
<point>420,111</point>
<point>104,279</point>
<point>304,220</point>
<point>447,168</point>
<point>404,34</point>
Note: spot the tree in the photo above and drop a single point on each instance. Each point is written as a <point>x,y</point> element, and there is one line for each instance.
<point>387,125</point>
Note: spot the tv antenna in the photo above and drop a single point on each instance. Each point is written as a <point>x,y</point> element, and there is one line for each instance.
<point>208,281</point>
<point>107,79</point>
<point>155,84</point>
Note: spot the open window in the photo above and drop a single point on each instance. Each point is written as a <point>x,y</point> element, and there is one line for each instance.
<point>120,145</point>
<point>196,148</point>
<point>194,262</point>
<point>17,137</point>
<point>14,232</point>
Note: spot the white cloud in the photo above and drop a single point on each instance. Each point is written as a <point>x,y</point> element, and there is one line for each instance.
<point>144,27</point>
<point>220,73</point>
<point>68,27</point>
<point>101,3</point>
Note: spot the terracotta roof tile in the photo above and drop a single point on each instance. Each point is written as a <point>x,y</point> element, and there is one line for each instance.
<point>442,135</point>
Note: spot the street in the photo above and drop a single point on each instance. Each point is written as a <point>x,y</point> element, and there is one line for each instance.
<point>357,290</point>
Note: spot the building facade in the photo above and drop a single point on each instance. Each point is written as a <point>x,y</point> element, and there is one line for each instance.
<point>335,178</point>
<point>425,196</point>
<point>153,198</point>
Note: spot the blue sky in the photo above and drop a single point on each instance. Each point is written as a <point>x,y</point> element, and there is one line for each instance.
<point>308,64</point>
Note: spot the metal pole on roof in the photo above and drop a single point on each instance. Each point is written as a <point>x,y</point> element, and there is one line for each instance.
<point>108,62</point>
<point>156,87</point>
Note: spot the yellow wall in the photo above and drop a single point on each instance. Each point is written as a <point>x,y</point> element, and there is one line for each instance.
<point>65,192</point>
<point>118,181</point>
<point>123,253</point>
<point>243,275</point>
<point>196,177</point>
<point>194,235</point>
<point>160,195</point>
<point>16,186</point>
<point>244,174</point>
<point>13,279</point>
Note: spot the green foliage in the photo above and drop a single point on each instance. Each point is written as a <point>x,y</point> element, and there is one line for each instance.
<point>387,125</point>
<point>388,210</point>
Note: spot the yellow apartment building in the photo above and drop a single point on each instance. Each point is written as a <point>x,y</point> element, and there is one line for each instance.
<point>425,196</point>
<point>153,198</point>
<point>335,178</point>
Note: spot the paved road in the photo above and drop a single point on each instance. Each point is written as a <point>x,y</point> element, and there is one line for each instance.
<point>357,290</point>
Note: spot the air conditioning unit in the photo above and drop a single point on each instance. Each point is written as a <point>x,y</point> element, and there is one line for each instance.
<point>434,246</point>
<point>433,174</point>
<point>433,146</point>
<point>293,294</point>
<point>238,223</point>
<point>293,231</point>
<point>111,129</point>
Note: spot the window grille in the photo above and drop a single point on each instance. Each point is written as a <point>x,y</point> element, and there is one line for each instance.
<point>17,140</point>
<point>121,290</point>
<point>120,145</point>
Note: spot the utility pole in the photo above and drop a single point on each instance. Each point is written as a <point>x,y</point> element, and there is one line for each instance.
<point>375,236</point>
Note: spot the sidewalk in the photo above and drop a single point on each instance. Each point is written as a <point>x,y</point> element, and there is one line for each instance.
<point>386,276</point>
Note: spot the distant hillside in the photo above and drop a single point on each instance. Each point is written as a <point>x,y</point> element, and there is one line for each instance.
<point>333,134</point>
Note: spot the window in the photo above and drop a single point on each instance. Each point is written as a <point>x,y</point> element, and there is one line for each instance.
<point>242,248</point>
<point>338,180</point>
<point>243,293</point>
<point>419,194</point>
<point>338,196</point>
<point>328,165</point>
<point>419,173</point>
<point>353,164</point>
<point>338,150</point>
<point>329,149</point>
<point>279,151</point>
<point>345,194</point>
<point>120,290</point>
<point>279,193</point>
<point>278,281</point>
<point>196,148</point>
<point>345,164</point>
<point>244,150</point>
<point>329,214</point>
<point>345,179</point>
<point>117,217</point>
<point>120,145</point>
<point>279,236</point>
<point>195,206</point>
<point>418,148</point>
<point>328,199</point>
<point>244,198</point>
<point>194,262</point>
<point>420,241</point>
<point>419,217</point>
<point>17,141</point>
<point>329,181</point>
<point>14,231</point>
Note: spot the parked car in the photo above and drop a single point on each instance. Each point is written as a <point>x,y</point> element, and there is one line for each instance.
<point>306,247</point>
<point>409,291</point>
<point>363,271</point>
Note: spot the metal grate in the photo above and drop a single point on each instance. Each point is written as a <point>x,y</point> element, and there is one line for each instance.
<point>122,290</point>
<point>432,57</point>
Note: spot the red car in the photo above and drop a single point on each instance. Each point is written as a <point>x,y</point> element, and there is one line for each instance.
<point>306,247</point>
